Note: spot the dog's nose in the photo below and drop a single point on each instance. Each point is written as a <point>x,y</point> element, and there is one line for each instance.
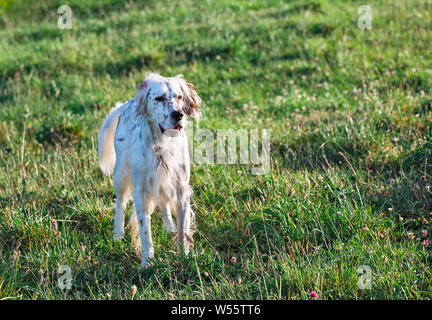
<point>177,116</point>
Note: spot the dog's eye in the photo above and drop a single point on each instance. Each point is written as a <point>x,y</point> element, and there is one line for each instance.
<point>179,97</point>
<point>160,98</point>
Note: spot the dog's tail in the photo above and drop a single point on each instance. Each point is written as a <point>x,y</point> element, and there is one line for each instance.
<point>106,151</point>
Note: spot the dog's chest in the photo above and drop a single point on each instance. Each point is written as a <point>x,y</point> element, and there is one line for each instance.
<point>169,160</point>
<point>168,173</point>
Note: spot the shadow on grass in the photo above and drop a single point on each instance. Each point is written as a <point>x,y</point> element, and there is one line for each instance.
<point>409,191</point>
<point>314,152</point>
<point>54,69</point>
<point>129,65</point>
<point>181,55</point>
<point>81,10</point>
<point>402,184</point>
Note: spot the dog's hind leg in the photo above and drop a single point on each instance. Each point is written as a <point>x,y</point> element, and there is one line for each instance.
<point>144,208</point>
<point>123,187</point>
<point>134,230</point>
<point>167,218</point>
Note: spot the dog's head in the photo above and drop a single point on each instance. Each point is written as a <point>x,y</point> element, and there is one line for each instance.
<point>167,102</point>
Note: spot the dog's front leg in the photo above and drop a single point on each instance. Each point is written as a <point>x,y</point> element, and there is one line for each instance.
<point>144,208</point>
<point>184,224</point>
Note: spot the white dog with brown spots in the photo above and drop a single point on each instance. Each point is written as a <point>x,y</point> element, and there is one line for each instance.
<point>144,143</point>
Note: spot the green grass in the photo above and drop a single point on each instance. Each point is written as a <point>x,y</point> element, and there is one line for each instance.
<point>351,158</point>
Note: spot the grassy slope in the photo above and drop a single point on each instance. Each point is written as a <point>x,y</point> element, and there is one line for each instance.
<point>350,114</point>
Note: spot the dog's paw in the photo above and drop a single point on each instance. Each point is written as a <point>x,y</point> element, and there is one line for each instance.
<point>170,228</point>
<point>118,236</point>
<point>147,258</point>
<point>145,263</point>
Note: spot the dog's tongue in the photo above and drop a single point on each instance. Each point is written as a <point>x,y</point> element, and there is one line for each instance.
<point>172,132</point>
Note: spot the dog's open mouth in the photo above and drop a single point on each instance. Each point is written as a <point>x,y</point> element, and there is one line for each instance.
<point>171,132</point>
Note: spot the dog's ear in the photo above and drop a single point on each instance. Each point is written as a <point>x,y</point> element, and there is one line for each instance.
<point>192,99</point>
<point>141,97</point>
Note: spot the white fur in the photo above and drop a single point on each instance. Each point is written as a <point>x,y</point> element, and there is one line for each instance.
<point>151,166</point>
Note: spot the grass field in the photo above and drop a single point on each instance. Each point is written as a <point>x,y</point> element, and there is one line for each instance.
<point>351,148</point>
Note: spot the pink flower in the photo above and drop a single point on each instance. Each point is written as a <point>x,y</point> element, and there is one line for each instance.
<point>55,227</point>
<point>313,294</point>
<point>425,242</point>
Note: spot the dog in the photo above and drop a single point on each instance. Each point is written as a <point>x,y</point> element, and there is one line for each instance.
<point>143,142</point>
